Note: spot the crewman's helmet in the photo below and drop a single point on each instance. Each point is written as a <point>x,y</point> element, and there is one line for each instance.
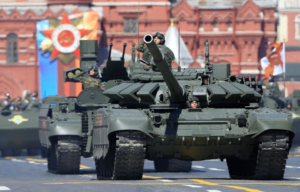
<point>35,94</point>
<point>95,68</point>
<point>161,37</point>
<point>194,99</point>
<point>7,95</point>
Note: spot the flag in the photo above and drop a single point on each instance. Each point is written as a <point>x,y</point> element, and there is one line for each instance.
<point>274,63</point>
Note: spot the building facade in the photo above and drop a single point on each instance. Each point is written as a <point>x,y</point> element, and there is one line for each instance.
<point>238,31</point>
<point>289,32</point>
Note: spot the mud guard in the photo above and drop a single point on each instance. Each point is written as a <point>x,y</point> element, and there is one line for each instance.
<point>108,121</point>
<point>260,123</point>
<point>61,128</point>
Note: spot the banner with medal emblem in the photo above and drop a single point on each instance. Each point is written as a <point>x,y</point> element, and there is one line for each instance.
<point>58,42</point>
<point>274,63</point>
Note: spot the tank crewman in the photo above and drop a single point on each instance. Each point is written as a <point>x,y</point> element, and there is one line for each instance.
<point>289,105</point>
<point>28,98</point>
<point>6,102</point>
<point>160,41</point>
<point>88,81</point>
<point>35,95</point>
<point>194,103</point>
<point>18,104</point>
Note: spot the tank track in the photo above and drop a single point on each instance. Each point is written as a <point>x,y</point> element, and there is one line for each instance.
<point>125,159</point>
<point>267,161</point>
<point>172,165</point>
<point>64,156</point>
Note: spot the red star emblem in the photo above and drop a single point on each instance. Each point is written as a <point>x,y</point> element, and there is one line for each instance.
<point>65,38</point>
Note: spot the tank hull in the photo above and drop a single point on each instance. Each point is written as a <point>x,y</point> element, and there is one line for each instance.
<point>192,134</point>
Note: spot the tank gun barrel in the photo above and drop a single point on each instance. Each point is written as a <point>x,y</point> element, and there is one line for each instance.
<point>176,90</point>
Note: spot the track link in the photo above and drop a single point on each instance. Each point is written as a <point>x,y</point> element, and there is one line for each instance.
<point>125,159</point>
<point>64,156</point>
<point>172,165</point>
<point>267,161</point>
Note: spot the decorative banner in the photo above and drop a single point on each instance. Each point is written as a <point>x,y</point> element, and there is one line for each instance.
<point>274,63</point>
<point>58,41</point>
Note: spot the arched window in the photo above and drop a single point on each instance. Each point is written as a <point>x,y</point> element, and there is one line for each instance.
<point>12,48</point>
<point>201,28</point>
<point>297,27</point>
<point>216,26</point>
<point>229,24</point>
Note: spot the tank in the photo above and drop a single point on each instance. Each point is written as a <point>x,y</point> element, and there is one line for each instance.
<point>66,123</point>
<point>293,104</point>
<point>19,129</point>
<point>154,121</point>
<point>272,97</point>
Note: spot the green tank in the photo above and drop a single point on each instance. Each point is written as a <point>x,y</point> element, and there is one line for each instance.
<point>154,122</point>
<point>293,105</point>
<point>66,122</point>
<point>19,128</point>
<point>272,97</point>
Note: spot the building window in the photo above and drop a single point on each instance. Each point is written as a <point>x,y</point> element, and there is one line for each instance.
<point>130,25</point>
<point>297,27</point>
<point>201,26</point>
<point>229,24</point>
<point>12,48</point>
<point>216,26</point>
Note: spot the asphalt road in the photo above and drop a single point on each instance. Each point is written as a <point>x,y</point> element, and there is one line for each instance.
<point>30,174</point>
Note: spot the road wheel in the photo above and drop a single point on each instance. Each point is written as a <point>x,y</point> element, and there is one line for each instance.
<point>172,165</point>
<point>6,152</point>
<point>32,152</point>
<point>44,152</point>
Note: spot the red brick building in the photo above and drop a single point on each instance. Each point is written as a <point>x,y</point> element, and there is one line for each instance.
<point>238,31</point>
<point>289,31</point>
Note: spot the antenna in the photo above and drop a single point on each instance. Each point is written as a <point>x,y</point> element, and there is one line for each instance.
<point>109,53</point>
<point>124,47</point>
<point>138,55</point>
<point>179,67</point>
<point>133,52</point>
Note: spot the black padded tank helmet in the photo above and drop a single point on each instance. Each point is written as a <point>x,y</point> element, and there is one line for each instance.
<point>194,99</point>
<point>35,94</point>
<point>95,68</point>
<point>161,37</point>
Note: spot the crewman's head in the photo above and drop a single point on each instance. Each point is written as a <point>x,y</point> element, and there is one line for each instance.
<point>159,38</point>
<point>194,102</point>
<point>93,72</point>
<point>35,94</point>
<point>289,105</point>
<point>7,95</point>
